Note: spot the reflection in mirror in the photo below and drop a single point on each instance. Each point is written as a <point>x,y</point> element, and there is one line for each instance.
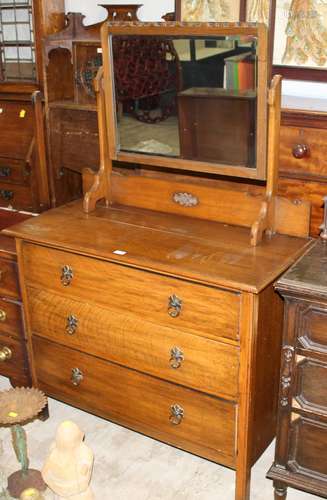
<point>193,98</point>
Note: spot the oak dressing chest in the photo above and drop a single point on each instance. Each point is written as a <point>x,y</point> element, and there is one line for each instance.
<point>301,456</point>
<point>151,302</point>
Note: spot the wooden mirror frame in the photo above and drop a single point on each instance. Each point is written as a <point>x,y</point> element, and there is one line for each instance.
<point>189,29</point>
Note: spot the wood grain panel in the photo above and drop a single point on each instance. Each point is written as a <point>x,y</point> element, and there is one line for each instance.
<point>138,401</point>
<point>208,366</point>
<point>213,203</point>
<point>205,311</point>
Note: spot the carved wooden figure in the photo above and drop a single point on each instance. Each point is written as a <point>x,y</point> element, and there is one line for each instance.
<point>68,467</point>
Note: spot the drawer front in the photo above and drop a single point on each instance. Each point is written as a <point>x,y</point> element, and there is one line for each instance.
<point>312,327</point>
<point>19,197</point>
<point>17,128</point>
<point>311,385</point>
<point>307,448</point>
<point>14,171</point>
<point>181,357</point>
<point>11,318</point>
<point>303,151</point>
<point>182,417</point>
<point>170,302</point>
<point>13,360</point>
<point>8,279</point>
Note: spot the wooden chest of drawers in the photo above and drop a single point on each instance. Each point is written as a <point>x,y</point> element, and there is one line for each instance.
<point>13,354</point>
<point>169,327</point>
<point>301,452</point>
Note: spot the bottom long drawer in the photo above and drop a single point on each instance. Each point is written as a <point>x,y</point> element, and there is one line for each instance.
<point>195,422</point>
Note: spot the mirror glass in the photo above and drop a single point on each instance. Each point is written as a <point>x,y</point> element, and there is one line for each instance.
<point>193,98</point>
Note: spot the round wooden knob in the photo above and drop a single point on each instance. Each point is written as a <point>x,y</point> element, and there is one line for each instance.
<point>300,151</point>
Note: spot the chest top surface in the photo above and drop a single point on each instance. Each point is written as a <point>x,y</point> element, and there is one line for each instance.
<point>309,273</point>
<point>203,251</point>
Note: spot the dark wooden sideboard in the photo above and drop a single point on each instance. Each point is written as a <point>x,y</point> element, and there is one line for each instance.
<point>301,450</point>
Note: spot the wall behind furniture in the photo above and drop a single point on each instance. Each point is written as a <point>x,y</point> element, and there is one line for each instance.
<point>152,10</point>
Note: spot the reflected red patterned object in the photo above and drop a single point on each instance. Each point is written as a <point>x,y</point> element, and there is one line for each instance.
<point>147,75</point>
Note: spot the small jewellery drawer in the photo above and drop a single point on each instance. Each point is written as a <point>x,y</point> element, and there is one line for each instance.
<point>12,356</point>
<point>202,310</point>
<point>303,151</point>
<point>19,197</point>
<point>171,354</point>
<point>11,318</point>
<point>14,171</point>
<point>195,422</point>
<point>8,279</point>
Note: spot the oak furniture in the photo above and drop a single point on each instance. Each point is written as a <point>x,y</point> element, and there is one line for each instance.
<point>13,352</point>
<point>151,302</point>
<point>302,158</point>
<point>72,59</point>
<point>24,182</point>
<point>300,459</point>
<point>217,123</point>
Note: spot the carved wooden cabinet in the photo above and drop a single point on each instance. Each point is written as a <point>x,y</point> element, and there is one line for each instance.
<point>24,182</point>
<point>73,57</point>
<point>301,456</point>
<point>303,159</point>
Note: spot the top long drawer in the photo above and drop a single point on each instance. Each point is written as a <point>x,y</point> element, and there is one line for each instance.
<point>203,310</point>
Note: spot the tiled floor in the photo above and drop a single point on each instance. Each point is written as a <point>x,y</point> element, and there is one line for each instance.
<point>131,466</point>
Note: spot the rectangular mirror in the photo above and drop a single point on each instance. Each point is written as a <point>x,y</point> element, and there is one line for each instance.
<point>193,99</point>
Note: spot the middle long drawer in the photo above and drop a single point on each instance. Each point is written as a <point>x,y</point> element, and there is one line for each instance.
<point>174,355</point>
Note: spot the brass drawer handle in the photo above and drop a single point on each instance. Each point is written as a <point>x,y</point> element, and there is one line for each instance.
<point>3,315</point>
<point>67,275</point>
<point>176,358</point>
<point>174,306</point>
<point>6,194</point>
<point>176,414</point>
<point>5,171</point>
<point>77,376</point>
<point>71,324</point>
<point>301,151</point>
<point>5,354</point>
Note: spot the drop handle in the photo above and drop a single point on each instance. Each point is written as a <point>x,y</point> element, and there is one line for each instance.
<point>174,306</point>
<point>176,358</point>
<point>67,275</point>
<point>176,414</point>
<point>5,354</point>
<point>71,324</point>
<point>76,376</point>
<point>300,151</point>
